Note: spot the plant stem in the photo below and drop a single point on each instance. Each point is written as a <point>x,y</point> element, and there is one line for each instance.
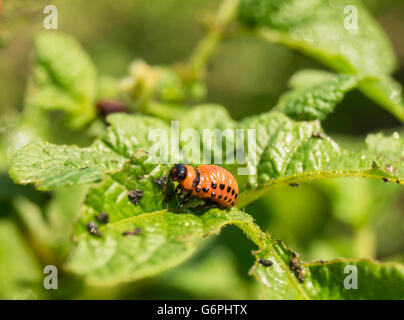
<point>364,242</point>
<point>203,51</point>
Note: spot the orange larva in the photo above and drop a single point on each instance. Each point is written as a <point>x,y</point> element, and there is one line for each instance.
<point>210,183</point>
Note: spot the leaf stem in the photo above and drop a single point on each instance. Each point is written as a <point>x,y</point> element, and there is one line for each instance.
<point>203,51</point>
<point>249,196</point>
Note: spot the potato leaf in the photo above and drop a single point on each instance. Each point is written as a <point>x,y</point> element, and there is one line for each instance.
<point>339,279</point>
<point>341,34</point>
<point>165,237</point>
<point>21,276</point>
<point>63,79</point>
<point>315,95</point>
<point>292,152</point>
<point>146,235</point>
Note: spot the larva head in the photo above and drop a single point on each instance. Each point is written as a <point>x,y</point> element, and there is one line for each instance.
<point>178,172</point>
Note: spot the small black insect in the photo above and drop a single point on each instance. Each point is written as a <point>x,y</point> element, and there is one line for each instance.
<point>319,135</point>
<point>294,184</point>
<point>135,196</point>
<point>295,265</point>
<point>398,181</point>
<point>93,229</point>
<point>102,217</point>
<point>266,262</point>
<point>385,179</point>
<point>83,168</point>
<point>161,182</point>
<point>135,232</point>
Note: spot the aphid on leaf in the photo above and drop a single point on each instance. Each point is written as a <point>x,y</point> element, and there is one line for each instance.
<point>266,262</point>
<point>318,134</point>
<point>294,184</point>
<point>385,179</point>
<point>295,265</point>
<point>135,232</point>
<point>102,217</point>
<point>161,182</point>
<point>93,229</point>
<point>135,196</point>
<point>209,183</point>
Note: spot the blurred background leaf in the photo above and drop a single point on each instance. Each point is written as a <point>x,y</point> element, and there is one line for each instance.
<point>322,220</point>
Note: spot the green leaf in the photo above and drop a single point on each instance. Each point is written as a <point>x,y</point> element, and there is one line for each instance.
<point>288,151</point>
<point>166,237</point>
<point>21,275</point>
<point>52,224</point>
<point>390,149</point>
<point>63,79</point>
<point>317,28</point>
<point>386,92</point>
<point>325,279</point>
<point>51,166</point>
<point>315,94</point>
<point>292,152</point>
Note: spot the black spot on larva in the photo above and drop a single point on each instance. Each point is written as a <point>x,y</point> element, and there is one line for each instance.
<point>225,198</point>
<point>222,186</point>
<point>198,190</point>
<point>266,262</point>
<point>135,196</point>
<point>214,185</point>
<point>220,196</point>
<point>93,229</point>
<point>213,194</point>
<point>103,217</point>
<point>206,189</point>
<point>232,192</point>
<point>228,189</point>
<point>229,200</point>
<point>236,196</point>
<point>197,179</point>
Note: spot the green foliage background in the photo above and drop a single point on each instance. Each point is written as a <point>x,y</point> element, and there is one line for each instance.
<point>248,73</point>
